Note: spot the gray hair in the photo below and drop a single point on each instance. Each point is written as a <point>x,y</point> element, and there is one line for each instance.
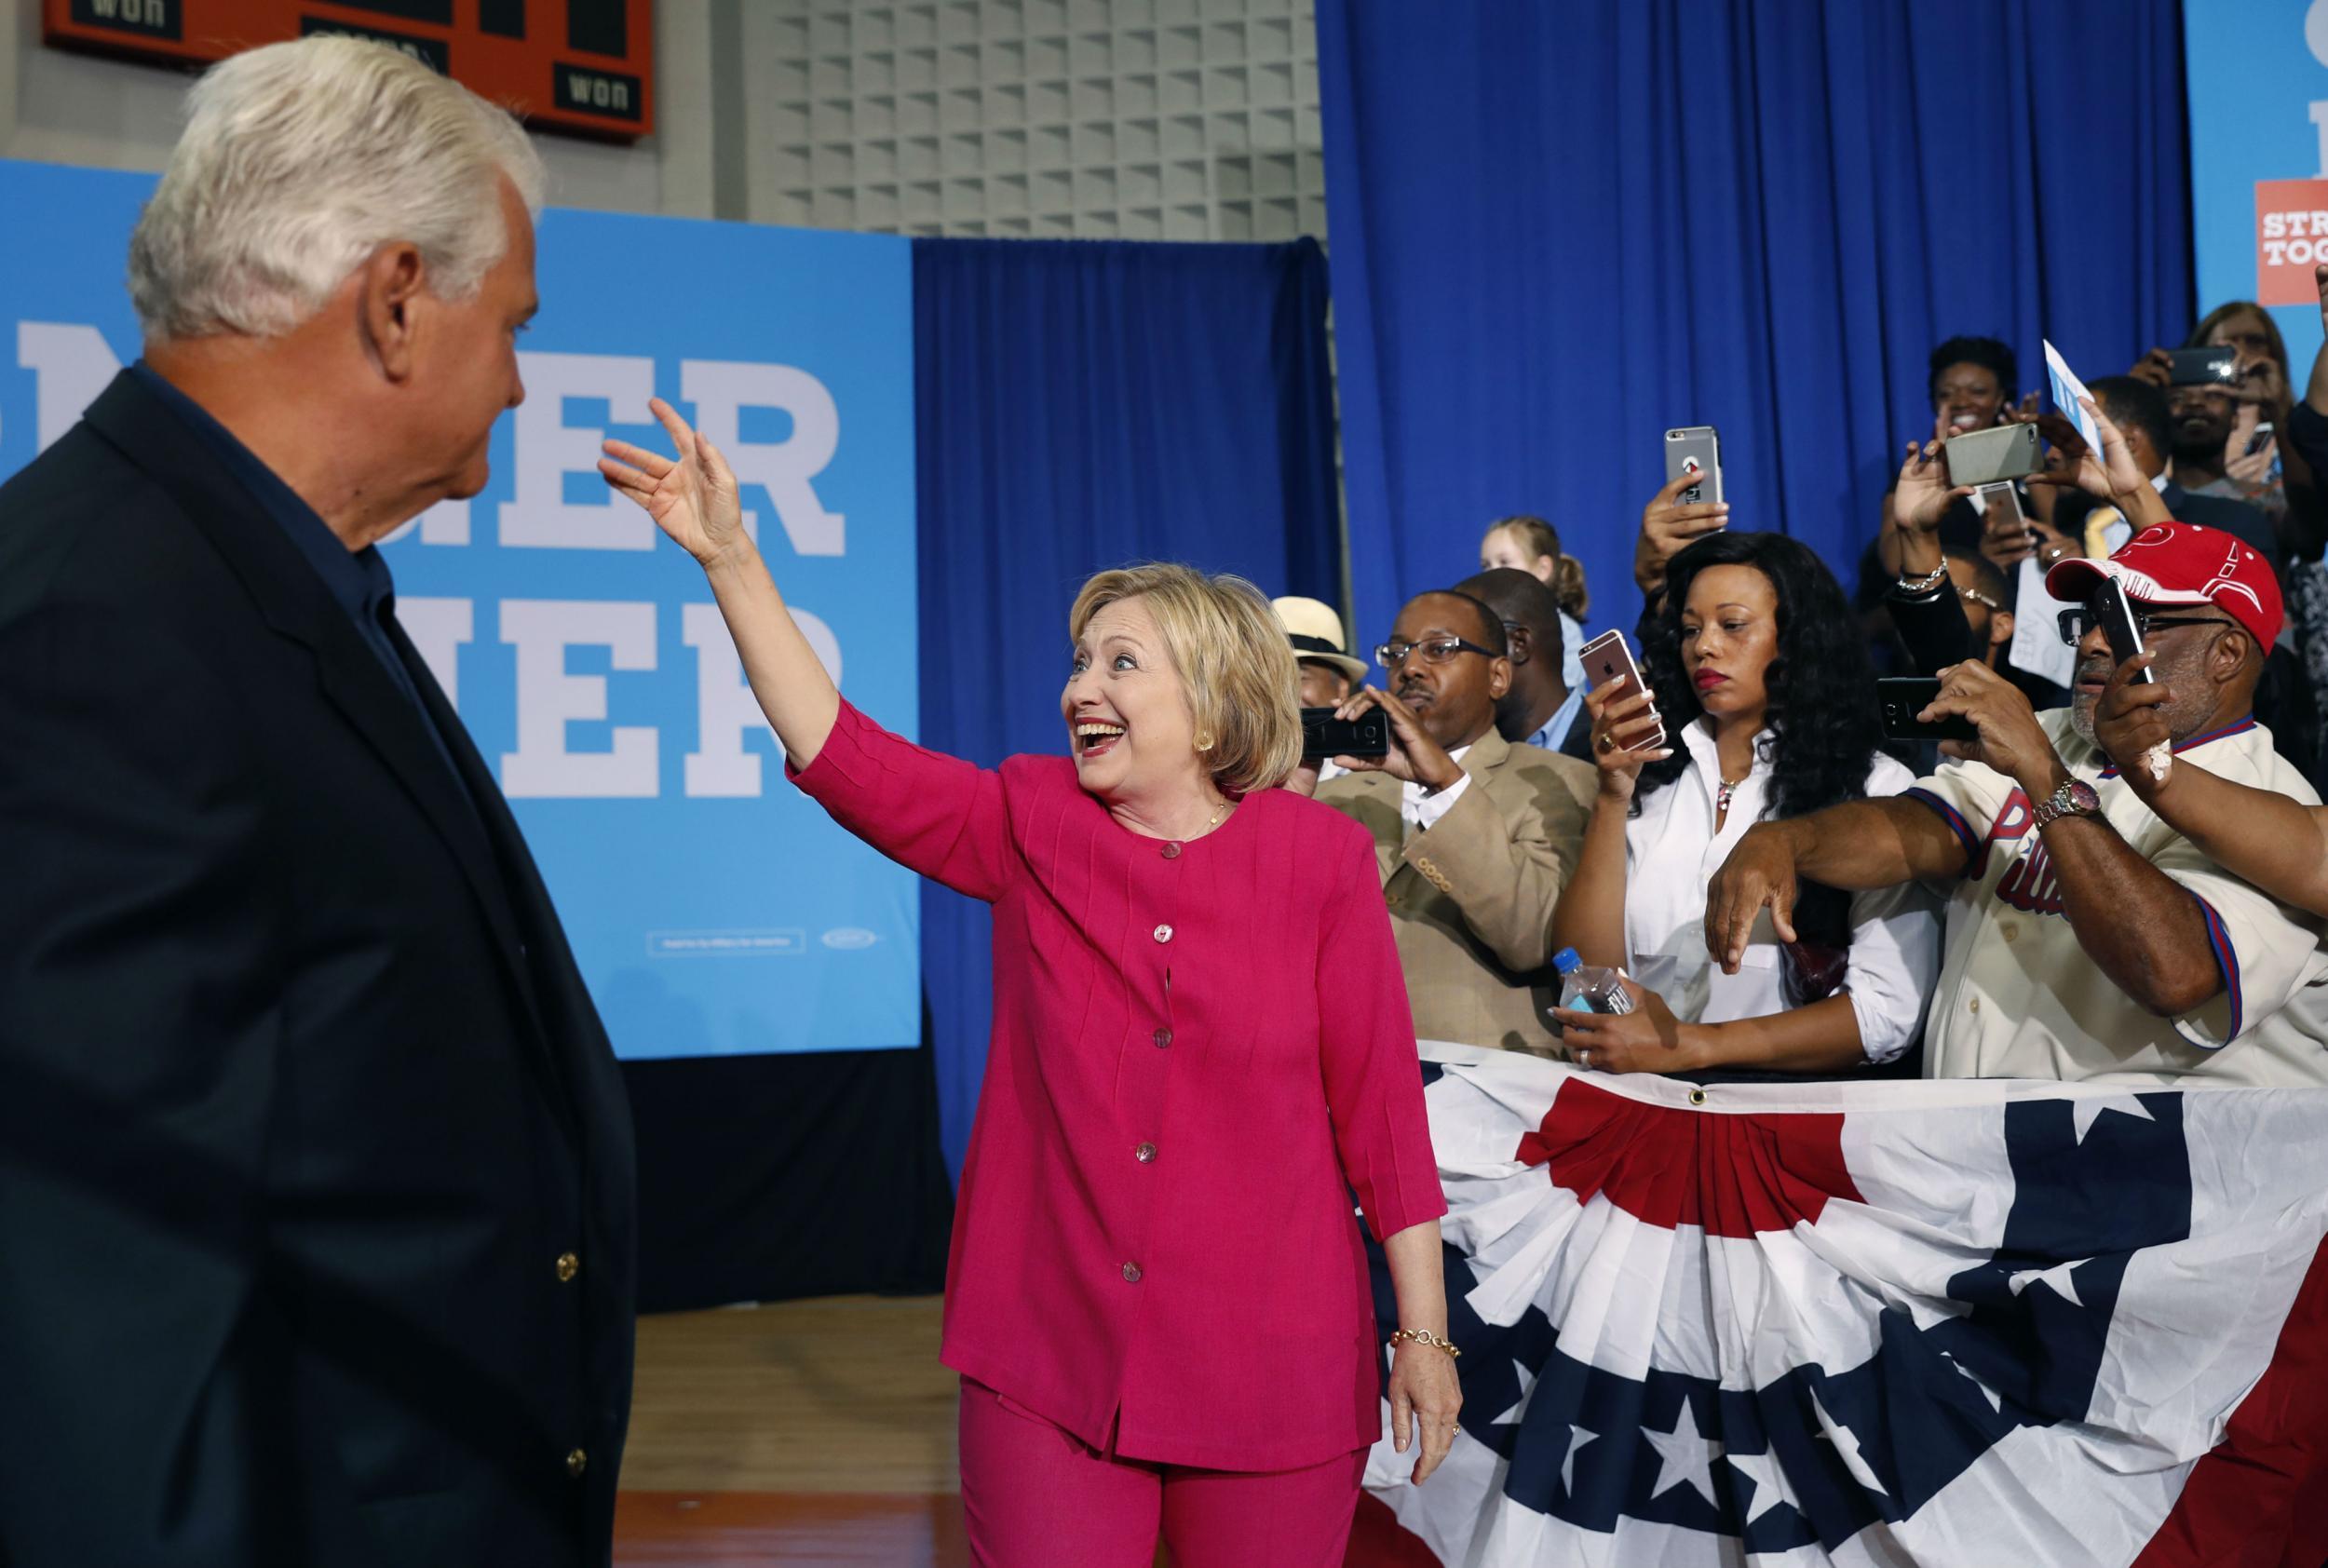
<point>299,161</point>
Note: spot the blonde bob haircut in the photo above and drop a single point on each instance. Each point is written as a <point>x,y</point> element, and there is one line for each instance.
<point>1232,660</point>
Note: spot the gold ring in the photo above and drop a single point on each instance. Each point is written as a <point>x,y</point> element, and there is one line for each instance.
<point>1608,742</point>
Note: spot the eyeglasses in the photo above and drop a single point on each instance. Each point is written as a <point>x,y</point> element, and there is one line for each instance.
<point>2077,623</point>
<point>1439,650</point>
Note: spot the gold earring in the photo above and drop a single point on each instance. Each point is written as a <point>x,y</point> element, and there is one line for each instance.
<point>1204,742</point>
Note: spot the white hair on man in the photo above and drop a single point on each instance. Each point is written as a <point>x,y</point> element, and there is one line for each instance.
<point>299,161</point>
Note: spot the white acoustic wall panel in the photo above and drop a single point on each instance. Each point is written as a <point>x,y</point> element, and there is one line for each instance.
<point>1135,119</point>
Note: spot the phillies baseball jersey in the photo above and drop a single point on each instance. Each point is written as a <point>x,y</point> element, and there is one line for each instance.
<point>2018,995</point>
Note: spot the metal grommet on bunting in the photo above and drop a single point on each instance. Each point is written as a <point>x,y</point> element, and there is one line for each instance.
<point>1697,1097</point>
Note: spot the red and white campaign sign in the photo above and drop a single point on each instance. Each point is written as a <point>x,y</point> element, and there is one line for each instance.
<point>2291,236</point>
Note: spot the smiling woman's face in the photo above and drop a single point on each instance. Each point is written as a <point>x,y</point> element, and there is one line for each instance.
<point>1729,636</point>
<point>1129,724</point>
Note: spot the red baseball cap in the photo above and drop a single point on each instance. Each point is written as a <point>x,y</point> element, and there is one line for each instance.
<point>2182,563</point>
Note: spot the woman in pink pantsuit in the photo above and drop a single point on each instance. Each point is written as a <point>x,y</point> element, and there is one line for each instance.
<point>1158,1299</point>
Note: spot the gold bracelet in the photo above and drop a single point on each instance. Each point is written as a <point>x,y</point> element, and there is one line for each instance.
<point>1423,1336</point>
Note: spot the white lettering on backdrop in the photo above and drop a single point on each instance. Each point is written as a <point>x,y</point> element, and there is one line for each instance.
<point>71,363</point>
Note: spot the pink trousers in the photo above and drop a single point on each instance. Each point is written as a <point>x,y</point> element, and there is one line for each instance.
<point>1037,1497</point>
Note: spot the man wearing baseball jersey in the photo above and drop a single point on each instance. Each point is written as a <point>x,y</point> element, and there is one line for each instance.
<point>2086,940</point>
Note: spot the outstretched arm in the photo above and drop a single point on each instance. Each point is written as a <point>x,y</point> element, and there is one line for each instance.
<point>1856,845</point>
<point>694,500</point>
<point>2272,840</point>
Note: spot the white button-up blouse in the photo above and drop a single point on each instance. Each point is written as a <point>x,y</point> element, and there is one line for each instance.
<point>1671,851</point>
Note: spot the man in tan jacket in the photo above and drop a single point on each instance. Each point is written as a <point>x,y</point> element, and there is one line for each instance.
<point>1475,836</point>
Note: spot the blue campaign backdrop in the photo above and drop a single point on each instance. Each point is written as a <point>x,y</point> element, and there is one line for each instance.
<point>1560,230</point>
<point>713,909</point>
<point>2258,76</point>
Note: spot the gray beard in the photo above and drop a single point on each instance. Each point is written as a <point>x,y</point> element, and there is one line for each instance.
<point>2081,717</point>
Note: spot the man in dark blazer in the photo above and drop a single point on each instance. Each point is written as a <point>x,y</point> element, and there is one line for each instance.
<point>315,1180</point>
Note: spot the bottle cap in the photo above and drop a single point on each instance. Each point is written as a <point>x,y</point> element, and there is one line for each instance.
<point>1565,960</point>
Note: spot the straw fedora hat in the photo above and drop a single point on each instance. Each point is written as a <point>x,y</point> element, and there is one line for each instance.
<point>1316,632</point>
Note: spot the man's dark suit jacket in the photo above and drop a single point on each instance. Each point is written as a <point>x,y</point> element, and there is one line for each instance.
<point>316,1178</point>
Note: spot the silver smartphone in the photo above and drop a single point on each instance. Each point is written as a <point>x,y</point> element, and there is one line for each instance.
<point>1697,451</point>
<point>1999,452</point>
<point>1607,658</point>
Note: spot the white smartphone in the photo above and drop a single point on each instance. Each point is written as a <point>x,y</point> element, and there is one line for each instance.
<point>1607,658</point>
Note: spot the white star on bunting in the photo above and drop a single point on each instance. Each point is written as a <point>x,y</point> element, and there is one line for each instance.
<point>1767,1477</point>
<point>1578,1437</point>
<point>1527,1382</point>
<point>1996,1400</point>
<point>2084,1108</point>
<point>2057,1277</point>
<point>1683,1455</point>
<point>1848,1446</point>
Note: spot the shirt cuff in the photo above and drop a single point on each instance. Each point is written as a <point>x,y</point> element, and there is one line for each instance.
<point>1433,807</point>
<point>2191,1026</point>
<point>1954,818</point>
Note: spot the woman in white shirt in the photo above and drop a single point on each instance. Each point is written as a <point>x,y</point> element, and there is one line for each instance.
<point>1757,669</point>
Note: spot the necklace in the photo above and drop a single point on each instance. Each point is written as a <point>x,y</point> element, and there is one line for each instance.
<point>1725,788</point>
<point>1215,820</point>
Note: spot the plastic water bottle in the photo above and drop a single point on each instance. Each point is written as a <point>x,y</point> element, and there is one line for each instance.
<point>1588,987</point>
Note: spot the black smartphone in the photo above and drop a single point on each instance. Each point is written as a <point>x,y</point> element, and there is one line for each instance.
<point>2116,615</point>
<point>1325,735</point>
<point>2202,366</point>
<point>1901,698</point>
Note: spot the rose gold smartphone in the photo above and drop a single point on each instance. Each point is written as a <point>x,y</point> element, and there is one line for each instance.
<point>1606,658</point>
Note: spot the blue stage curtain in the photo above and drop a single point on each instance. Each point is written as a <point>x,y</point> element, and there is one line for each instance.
<point>1082,405</point>
<point>1559,230</point>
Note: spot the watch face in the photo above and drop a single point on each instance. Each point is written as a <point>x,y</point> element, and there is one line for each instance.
<point>2082,796</point>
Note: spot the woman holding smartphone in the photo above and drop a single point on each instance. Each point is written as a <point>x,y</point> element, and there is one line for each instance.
<point>1767,699</point>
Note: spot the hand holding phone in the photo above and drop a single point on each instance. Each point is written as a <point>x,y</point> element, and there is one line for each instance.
<point>1325,735</point>
<point>1901,698</point>
<point>1999,452</point>
<point>2202,366</point>
<point>1607,658</point>
<point>2116,614</point>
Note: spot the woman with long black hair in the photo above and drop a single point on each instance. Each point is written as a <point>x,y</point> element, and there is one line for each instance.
<point>1767,703</point>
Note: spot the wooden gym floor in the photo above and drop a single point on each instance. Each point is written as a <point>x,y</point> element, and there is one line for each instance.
<point>816,1434</point>
<point>808,1433</point>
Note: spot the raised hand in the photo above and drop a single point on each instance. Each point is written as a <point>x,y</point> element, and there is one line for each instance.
<point>2260,384</point>
<point>1924,495</point>
<point>693,499</point>
<point>1666,526</point>
<point>2109,474</point>
<point>2130,721</point>
<point>1414,758</point>
<point>2157,368</point>
<point>2012,741</point>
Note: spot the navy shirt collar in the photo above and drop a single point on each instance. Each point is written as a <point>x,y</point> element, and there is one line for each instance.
<point>358,580</point>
